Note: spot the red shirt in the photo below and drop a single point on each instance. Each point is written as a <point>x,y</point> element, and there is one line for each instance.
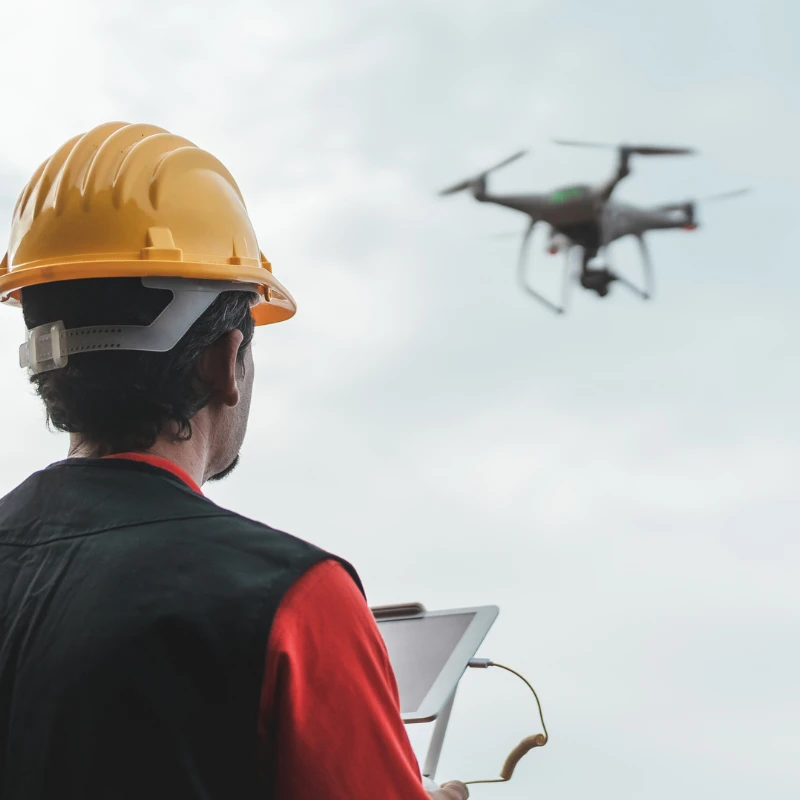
<point>330,711</point>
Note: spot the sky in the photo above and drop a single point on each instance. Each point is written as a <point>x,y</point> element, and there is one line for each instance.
<point>621,480</point>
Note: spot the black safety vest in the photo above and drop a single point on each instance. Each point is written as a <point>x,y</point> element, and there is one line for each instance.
<point>134,619</point>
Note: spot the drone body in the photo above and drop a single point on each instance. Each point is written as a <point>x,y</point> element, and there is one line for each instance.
<point>585,217</point>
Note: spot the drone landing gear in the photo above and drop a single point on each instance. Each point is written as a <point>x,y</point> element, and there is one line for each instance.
<point>522,269</point>
<point>647,267</point>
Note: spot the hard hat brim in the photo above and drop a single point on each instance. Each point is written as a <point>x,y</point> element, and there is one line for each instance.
<point>276,303</point>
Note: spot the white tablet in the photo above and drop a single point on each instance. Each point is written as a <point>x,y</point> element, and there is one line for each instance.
<point>429,651</point>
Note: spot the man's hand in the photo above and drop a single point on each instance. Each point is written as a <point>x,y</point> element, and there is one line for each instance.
<point>452,790</point>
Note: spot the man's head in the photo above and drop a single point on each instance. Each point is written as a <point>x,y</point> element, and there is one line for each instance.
<point>118,401</point>
<point>104,226</point>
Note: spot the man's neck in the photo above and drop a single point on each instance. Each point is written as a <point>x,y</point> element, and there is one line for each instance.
<point>187,455</point>
<point>161,463</point>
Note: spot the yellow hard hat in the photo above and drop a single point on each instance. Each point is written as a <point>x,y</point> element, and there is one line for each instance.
<point>134,201</point>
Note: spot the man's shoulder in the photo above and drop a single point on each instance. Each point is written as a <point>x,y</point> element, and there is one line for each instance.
<point>86,497</point>
<point>241,546</point>
<point>235,527</point>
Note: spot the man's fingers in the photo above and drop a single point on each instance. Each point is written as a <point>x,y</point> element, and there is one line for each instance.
<point>454,790</point>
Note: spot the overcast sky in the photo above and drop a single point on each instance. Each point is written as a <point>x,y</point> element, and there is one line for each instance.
<point>620,481</point>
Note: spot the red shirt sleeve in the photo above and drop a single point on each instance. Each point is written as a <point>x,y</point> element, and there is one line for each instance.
<point>330,711</point>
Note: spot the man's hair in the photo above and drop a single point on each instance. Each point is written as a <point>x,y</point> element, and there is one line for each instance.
<point>121,401</point>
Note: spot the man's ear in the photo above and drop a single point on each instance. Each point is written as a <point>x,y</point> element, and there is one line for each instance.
<point>218,368</point>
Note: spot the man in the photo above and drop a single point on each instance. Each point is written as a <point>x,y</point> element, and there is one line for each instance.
<point>153,644</point>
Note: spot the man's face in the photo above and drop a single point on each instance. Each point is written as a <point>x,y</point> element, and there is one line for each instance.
<point>232,430</point>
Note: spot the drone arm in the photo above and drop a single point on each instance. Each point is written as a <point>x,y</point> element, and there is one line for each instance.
<point>521,271</point>
<point>622,172</point>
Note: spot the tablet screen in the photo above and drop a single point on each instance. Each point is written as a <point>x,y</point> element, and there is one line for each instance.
<point>418,649</point>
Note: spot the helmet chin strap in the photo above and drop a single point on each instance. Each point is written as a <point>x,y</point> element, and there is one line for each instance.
<point>49,346</point>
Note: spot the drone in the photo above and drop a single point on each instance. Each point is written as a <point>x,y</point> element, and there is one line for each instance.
<point>585,216</point>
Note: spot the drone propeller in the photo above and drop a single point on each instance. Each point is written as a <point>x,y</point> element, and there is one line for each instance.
<point>642,150</point>
<point>702,201</point>
<point>725,195</point>
<point>459,187</point>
